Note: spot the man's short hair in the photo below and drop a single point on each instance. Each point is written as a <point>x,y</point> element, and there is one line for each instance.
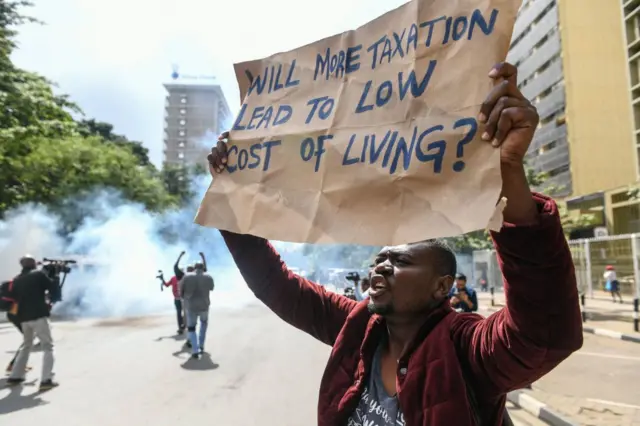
<point>446,263</point>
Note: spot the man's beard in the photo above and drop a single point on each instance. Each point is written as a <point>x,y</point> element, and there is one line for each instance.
<point>380,310</point>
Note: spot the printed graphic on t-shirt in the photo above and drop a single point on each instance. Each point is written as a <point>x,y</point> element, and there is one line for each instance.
<point>371,412</point>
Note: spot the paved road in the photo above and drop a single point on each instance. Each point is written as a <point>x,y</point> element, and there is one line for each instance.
<point>131,372</point>
<point>598,385</point>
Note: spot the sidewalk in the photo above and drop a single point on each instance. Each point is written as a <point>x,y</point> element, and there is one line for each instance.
<point>584,411</point>
<point>602,313</point>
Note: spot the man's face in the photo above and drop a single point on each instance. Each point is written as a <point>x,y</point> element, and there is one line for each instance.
<point>190,268</point>
<point>461,283</point>
<point>404,281</point>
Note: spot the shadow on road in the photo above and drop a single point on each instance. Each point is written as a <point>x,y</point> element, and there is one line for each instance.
<point>204,363</point>
<point>15,401</point>
<point>176,337</point>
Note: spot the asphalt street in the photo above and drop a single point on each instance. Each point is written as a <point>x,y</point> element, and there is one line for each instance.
<point>260,371</point>
<point>598,385</point>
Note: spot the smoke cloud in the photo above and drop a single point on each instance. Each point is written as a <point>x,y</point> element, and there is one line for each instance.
<point>121,247</point>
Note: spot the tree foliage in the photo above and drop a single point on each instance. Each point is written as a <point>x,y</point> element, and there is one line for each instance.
<point>105,131</point>
<point>46,157</point>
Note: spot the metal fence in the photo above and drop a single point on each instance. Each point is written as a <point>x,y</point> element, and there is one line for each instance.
<point>590,257</point>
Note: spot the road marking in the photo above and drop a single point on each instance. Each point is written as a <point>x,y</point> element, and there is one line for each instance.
<point>601,355</point>
<point>615,404</point>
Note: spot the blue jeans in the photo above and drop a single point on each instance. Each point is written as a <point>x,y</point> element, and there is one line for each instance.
<point>197,342</point>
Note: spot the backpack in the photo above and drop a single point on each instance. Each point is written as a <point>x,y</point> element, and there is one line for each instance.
<point>6,301</point>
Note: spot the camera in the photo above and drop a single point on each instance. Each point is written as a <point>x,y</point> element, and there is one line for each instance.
<point>54,268</point>
<point>353,276</point>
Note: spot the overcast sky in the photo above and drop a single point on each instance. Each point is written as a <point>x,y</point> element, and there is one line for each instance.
<point>112,56</point>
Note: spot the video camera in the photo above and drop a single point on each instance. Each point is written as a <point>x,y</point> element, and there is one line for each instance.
<point>353,276</point>
<point>55,268</point>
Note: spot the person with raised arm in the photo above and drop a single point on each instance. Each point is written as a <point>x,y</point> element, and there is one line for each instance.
<point>404,356</point>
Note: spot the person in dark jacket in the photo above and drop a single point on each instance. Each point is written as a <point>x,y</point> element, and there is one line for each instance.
<point>463,298</point>
<point>30,291</point>
<point>403,356</point>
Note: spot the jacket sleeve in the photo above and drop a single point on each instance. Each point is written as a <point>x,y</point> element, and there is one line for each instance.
<point>541,323</point>
<point>300,302</point>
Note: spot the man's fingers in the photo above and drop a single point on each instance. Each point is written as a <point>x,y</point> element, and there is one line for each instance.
<point>505,71</point>
<point>503,89</point>
<point>222,151</point>
<point>502,104</point>
<point>508,117</point>
<point>218,157</point>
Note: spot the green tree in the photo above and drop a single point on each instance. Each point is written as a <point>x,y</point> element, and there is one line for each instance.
<point>28,108</point>
<point>78,165</point>
<point>179,181</point>
<point>105,131</point>
<point>46,157</point>
<point>28,104</point>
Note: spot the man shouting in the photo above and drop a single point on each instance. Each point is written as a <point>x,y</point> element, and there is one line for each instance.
<point>404,356</point>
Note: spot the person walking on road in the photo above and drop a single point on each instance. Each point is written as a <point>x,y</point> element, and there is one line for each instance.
<point>7,303</point>
<point>404,356</point>
<point>30,290</point>
<point>195,289</point>
<point>612,284</point>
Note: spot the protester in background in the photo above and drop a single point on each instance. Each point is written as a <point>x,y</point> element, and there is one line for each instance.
<point>406,357</point>
<point>30,290</point>
<point>7,303</point>
<point>362,289</point>
<point>190,269</point>
<point>177,301</point>
<point>463,298</point>
<point>195,289</point>
<point>179,273</point>
<point>483,285</point>
<point>611,283</point>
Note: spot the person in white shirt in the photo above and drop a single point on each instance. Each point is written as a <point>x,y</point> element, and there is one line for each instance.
<point>612,283</point>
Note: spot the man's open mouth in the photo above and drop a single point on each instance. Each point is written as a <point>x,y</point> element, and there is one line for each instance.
<point>379,285</point>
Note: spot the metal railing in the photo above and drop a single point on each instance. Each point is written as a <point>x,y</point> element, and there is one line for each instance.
<point>590,258</point>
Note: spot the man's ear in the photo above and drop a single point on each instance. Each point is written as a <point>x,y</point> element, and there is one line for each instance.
<point>443,286</point>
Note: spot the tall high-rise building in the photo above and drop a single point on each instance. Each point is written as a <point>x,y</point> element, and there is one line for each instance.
<point>195,113</point>
<point>573,65</point>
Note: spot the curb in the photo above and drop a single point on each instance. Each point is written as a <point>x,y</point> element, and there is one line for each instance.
<point>596,331</point>
<point>538,409</point>
<point>611,334</point>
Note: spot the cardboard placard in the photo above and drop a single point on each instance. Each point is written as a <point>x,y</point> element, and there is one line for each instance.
<point>369,136</point>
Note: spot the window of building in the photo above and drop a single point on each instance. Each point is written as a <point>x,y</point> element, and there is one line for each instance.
<point>183,122</point>
<point>183,100</point>
<point>547,147</point>
<point>181,155</point>
<point>182,133</point>
<point>181,144</point>
<point>183,111</point>
<point>558,170</point>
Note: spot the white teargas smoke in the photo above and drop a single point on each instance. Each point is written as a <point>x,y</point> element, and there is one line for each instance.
<point>124,246</point>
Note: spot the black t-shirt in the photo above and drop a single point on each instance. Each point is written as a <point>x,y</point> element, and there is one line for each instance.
<point>179,273</point>
<point>29,290</point>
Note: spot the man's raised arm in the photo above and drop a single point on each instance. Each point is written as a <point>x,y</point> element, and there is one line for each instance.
<point>301,303</point>
<point>541,323</point>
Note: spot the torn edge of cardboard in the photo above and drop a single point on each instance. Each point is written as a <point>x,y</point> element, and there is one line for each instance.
<point>496,219</point>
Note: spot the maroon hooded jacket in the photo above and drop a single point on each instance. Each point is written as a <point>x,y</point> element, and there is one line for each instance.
<point>540,327</point>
